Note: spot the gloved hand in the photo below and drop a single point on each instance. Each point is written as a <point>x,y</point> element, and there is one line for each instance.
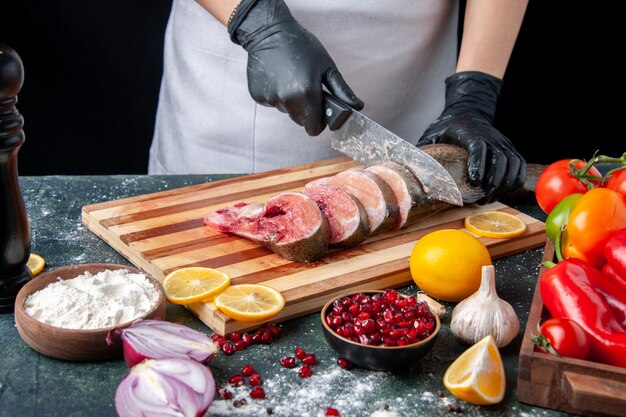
<point>466,121</point>
<point>287,64</point>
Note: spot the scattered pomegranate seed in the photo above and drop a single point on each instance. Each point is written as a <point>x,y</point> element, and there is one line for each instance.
<point>236,380</point>
<point>225,393</point>
<point>274,329</point>
<point>255,380</point>
<point>247,370</point>
<point>266,336</point>
<point>228,348</point>
<point>305,371</point>
<point>309,359</point>
<point>288,362</point>
<point>247,339</point>
<point>240,345</point>
<point>332,412</point>
<point>344,363</point>
<point>234,336</point>
<point>300,353</point>
<point>257,393</point>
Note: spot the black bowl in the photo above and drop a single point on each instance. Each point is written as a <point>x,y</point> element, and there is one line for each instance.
<point>377,358</point>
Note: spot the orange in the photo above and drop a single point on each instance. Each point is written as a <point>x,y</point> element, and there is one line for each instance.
<point>194,284</point>
<point>447,264</point>
<point>496,224</point>
<point>250,302</point>
<point>477,376</point>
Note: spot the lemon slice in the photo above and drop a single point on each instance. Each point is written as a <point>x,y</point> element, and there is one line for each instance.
<point>35,263</point>
<point>477,376</point>
<point>250,302</point>
<point>194,284</point>
<point>495,224</point>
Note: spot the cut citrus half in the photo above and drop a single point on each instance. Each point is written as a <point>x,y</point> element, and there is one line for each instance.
<point>35,263</point>
<point>495,224</point>
<point>194,284</point>
<point>250,302</point>
<point>477,376</point>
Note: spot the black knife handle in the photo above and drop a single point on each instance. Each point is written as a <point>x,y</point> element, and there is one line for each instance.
<point>335,111</point>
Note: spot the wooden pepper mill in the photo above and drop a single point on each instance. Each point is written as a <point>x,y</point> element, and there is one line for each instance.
<point>14,226</point>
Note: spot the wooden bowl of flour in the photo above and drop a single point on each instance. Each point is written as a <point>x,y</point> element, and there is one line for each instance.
<point>76,344</point>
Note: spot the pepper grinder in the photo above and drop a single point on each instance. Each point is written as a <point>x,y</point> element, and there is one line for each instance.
<point>14,226</point>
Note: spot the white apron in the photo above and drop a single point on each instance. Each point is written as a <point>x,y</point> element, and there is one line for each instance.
<point>395,55</point>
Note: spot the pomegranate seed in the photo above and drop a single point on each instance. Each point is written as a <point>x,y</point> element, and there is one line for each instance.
<point>309,359</point>
<point>220,342</point>
<point>364,315</point>
<point>375,338</point>
<point>404,324</point>
<point>240,345</point>
<point>337,310</point>
<point>288,362</point>
<point>266,336</point>
<point>402,342</point>
<point>410,300</point>
<point>364,340</point>
<point>234,336</point>
<point>274,329</point>
<point>215,336</point>
<point>228,348</point>
<point>332,412</point>
<point>236,380</point>
<point>354,309</point>
<point>339,331</point>
<point>305,371</point>
<point>401,303</point>
<point>368,308</point>
<point>300,353</point>
<point>369,326</point>
<point>358,330</point>
<point>256,337</point>
<point>346,301</point>
<point>344,363</point>
<point>255,380</point>
<point>247,339</point>
<point>247,370</point>
<point>337,321</point>
<point>257,393</point>
<point>388,315</point>
<point>389,341</point>
<point>390,296</point>
<point>348,330</point>
<point>225,393</point>
<point>329,320</point>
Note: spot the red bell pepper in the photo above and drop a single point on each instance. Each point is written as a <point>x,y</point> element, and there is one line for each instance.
<point>608,270</point>
<point>615,252</point>
<point>567,291</point>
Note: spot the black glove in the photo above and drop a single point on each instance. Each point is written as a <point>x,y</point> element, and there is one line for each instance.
<point>287,65</point>
<point>466,121</point>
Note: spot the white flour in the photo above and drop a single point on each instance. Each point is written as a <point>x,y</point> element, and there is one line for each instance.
<point>88,301</point>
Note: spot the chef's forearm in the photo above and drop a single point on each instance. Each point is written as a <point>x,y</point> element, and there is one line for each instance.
<point>489,34</point>
<point>220,9</point>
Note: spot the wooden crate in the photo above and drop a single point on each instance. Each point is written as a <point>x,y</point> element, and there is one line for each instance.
<point>566,384</point>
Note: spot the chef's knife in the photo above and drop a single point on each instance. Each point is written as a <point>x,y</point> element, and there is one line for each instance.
<point>364,140</point>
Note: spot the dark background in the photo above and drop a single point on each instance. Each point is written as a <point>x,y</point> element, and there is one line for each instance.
<point>93,71</point>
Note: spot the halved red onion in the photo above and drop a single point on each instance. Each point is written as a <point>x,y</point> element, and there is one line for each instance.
<point>165,387</point>
<point>158,339</point>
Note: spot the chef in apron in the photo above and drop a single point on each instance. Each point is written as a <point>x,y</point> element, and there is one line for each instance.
<point>222,86</point>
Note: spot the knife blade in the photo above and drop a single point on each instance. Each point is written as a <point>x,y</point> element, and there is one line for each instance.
<point>364,140</point>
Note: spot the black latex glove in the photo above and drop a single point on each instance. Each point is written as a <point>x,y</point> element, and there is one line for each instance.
<point>493,162</point>
<point>287,64</point>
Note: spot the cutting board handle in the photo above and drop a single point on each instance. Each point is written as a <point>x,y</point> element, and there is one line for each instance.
<point>335,112</point>
<point>590,393</point>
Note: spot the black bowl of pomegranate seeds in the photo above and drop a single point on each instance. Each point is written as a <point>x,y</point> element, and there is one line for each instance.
<point>379,330</point>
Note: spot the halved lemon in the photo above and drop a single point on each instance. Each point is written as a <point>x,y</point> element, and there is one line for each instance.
<point>250,302</point>
<point>496,224</point>
<point>194,284</point>
<point>35,263</point>
<point>477,376</point>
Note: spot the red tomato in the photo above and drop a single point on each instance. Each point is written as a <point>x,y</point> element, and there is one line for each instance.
<point>556,182</point>
<point>565,336</point>
<point>617,181</point>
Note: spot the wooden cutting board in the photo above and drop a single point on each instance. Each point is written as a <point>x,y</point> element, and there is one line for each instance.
<point>163,231</point>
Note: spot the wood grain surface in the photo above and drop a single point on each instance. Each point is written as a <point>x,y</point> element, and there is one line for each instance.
<point>163,231</point>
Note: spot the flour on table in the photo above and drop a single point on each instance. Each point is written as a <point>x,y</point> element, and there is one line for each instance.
<point>106,299</point>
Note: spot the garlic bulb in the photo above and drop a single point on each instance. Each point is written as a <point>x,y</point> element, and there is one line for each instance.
<point>484,313</point>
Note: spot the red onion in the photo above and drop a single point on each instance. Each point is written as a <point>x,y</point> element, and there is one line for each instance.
<point>158,339</point>
<point>165,388</point>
